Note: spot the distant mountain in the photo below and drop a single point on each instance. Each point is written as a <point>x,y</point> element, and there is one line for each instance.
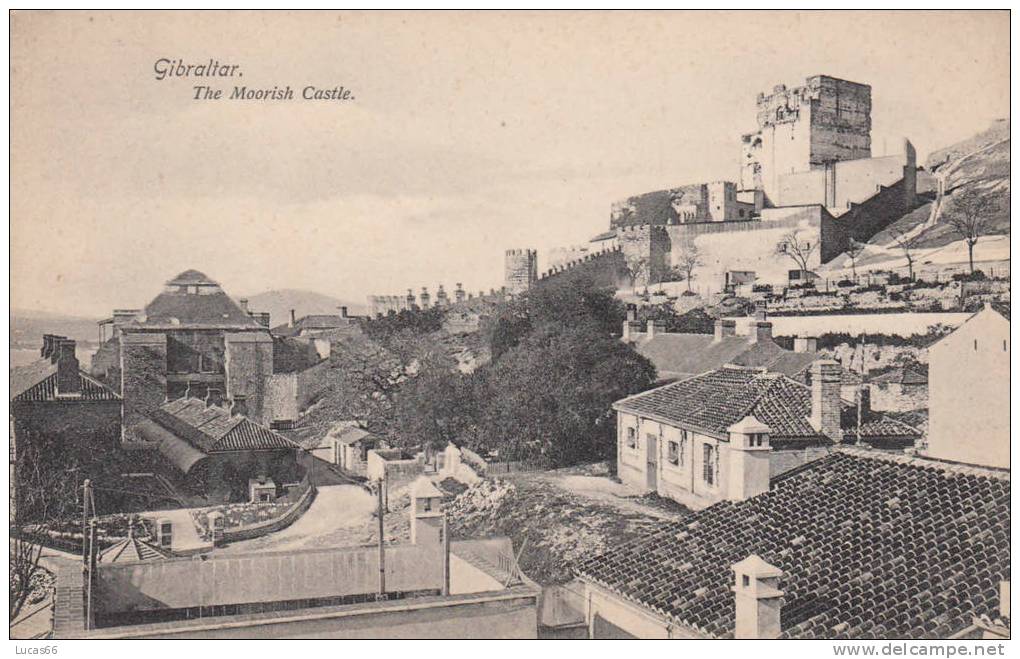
<point>28,326</point>
<point>279,303</point>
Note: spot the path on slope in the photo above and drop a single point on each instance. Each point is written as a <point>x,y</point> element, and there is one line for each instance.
<point>340,515</point>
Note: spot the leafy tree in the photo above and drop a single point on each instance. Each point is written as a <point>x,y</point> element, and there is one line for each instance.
<point>551,396</point>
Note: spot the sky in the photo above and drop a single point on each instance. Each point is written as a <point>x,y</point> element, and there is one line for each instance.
<point>468,134</point>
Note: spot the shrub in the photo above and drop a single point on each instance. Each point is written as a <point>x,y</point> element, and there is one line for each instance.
<point>977,275</point>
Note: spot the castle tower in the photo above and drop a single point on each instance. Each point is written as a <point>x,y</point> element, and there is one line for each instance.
<point>825,120</point>
<point>521,269</point>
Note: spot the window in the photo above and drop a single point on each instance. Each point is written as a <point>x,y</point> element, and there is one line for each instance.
<point>206,364</point>
<point>975,344</point>
<point>631,438</point>
<point>673,455</point>
<point>1004,345</point>
<point>708,464</point>
<point>684,439</point>
<point>428,505</point>
<point>747,580</point>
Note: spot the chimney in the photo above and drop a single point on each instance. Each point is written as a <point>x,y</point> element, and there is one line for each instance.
<point>724,327</point>
<point>825,403</point>
<point>293,319</point>
<point>343,312</point>
<point>239,406</point>
<point>459,294</point>
<point>760,314</point>
<point>47,346</point>
<point>759,331</point>
<point>656,327</point>
<point>864,400</point>
<point>68,380</point>
<point>244,304</point>
<point>1004,599</point>
<point>758,599</point>
<point>749,459</point>
<point>426,512</point>
<point>805,344</point>
<point>213,397</point>
<point>51,342</point>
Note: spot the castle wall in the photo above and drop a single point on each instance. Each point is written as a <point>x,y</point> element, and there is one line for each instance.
<point>851,181</point>
<point>727,246</point>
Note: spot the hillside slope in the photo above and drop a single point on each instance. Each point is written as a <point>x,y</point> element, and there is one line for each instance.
<point>28,326</point>
<point>980,163</point>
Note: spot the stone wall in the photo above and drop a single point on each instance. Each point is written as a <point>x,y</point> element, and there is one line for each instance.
<point>249,364</point>
<point>143,373</point>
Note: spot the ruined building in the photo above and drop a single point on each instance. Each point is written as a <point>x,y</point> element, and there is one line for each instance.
<point>807,172</point>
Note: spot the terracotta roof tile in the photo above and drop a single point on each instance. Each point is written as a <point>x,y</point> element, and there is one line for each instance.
<point>38,383</point>
<point>871,546</point>
<point>713,401</point>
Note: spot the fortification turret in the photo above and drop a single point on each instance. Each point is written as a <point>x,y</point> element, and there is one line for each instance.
<point>521,269</point>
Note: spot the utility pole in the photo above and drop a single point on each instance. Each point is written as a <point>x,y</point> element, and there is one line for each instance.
<point>91,567</point>
<point>86,497</point>
<point>382,540</point>
<point>446,553</point>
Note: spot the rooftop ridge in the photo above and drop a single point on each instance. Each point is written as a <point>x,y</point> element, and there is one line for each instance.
<point>925,461</point>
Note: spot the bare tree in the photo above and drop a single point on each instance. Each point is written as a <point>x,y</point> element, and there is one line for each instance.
<point>794,248</point>
<point>907,245</point>
<point>970,215</point>
<point>638,268</point>
<point>854,249</point>
<point>44,491</point>
<point>688,261</point>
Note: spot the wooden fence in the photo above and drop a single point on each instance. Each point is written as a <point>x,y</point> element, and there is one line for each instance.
<point>520,466</point>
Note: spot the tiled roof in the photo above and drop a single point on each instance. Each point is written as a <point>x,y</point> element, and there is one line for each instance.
<point>38,382</point>
<point>212,309</point>
<point>872,545</point>
<point>775,358</point>
<point>132,550</point>
<point>192,277</point>
<point>713,401</point>
<point>900,375</point>
<point>683,355</point>
<point>214,429</point>
<point>347,432</point>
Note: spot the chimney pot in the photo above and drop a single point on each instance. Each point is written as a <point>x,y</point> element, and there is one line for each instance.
<point>68,379</point>
<point>725,327</point>
<point>805,344</point>
<point>293,319</point>
<point>343,312</point>
<point>759,331</point>
<point>749,459</point>
<point>244,304</point>
<point>758,599</point>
